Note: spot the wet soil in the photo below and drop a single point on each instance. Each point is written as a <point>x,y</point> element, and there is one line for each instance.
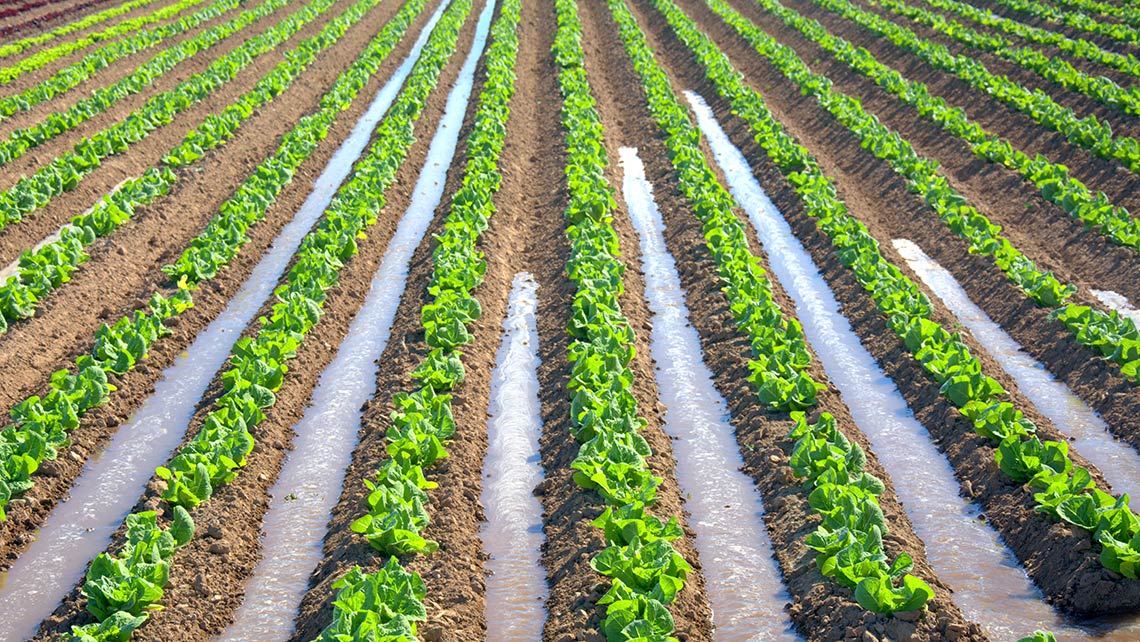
<point>208,574</point>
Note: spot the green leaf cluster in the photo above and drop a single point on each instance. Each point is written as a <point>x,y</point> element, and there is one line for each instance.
<point>377,607</point>
<point>122,589</point>
<point>646,570</point>
<point>226,231</point>
<point>849,538</point>
<point>1077,47</point>
<point>15,47</point>
<point>40,425</point>
<point>1114,336</point>
<point>216,453</point>
<point>1089,132</point>
<point>921,173</point>
<point>1128,14</point>
<point>1053,180</point>
<point>56,123</point>
<point>50,265</point>
<point>1057,70</point>
<point>1074,19</point>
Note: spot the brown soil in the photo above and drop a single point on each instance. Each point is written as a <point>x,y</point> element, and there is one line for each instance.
<point>821,608</point>
<point>1105,42</point>
<point>202,593</point>
<point>571,541</point>
<point>454,574</point>
<point>104,78</point>
<point>30,10</point>
<point>104,291</point>
<point>1085,257</point>
<point>1033,228</point>
<point>50,68</point>
<point>50,20</point>
<point>528,174</point>
<point>148,151</point>
<point>1100,174</point>
<point>1088,66</point>
<point>1061,560</point>
<point>1122,123</point>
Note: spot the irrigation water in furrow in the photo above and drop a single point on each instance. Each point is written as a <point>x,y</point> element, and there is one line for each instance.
<point>512,535</point>
<point>313,475</point>
<point>1087,432</point>
<point>12,268</point>
<point>81,526</point>
<point>743,581</point>
<point>989,585</point>
<point>1118,302</point>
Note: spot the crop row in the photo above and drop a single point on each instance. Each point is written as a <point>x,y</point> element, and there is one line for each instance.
<point>1063,490</point>
<point>848,539</point>
<point>1089,132</point>
<point>258,364</point>
<point>423,421</point>
<point>925,179</point>
<point>46,268</point>
<point>47,56</point>
<point>1111,334</point>
<point>56,123</point>
<point>1059,71</point>
<point>780,356</point>
<point>48,420</point>
<point>78,72</point>
<point>65,172</point>
<point>1053,180</point>
<point>646,572</point>
<point>12,48</point>
<point>1126,13</point>
<point>1120,32</point>
<point>1078,47</point>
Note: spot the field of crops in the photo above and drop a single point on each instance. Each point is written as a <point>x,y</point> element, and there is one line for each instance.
<point>569,320</point>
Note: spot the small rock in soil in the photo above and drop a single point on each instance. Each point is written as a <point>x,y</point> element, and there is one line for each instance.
<point>219,548</point>
<point>908,616</point>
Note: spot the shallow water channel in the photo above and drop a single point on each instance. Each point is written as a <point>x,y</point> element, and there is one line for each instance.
<point>512,535</point>
<point>989,585</point>
<point>312,478</point>
<point>743,582</point>
<point>1118,302</point>
<point>1088,433</point>
<point>81,526</point>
